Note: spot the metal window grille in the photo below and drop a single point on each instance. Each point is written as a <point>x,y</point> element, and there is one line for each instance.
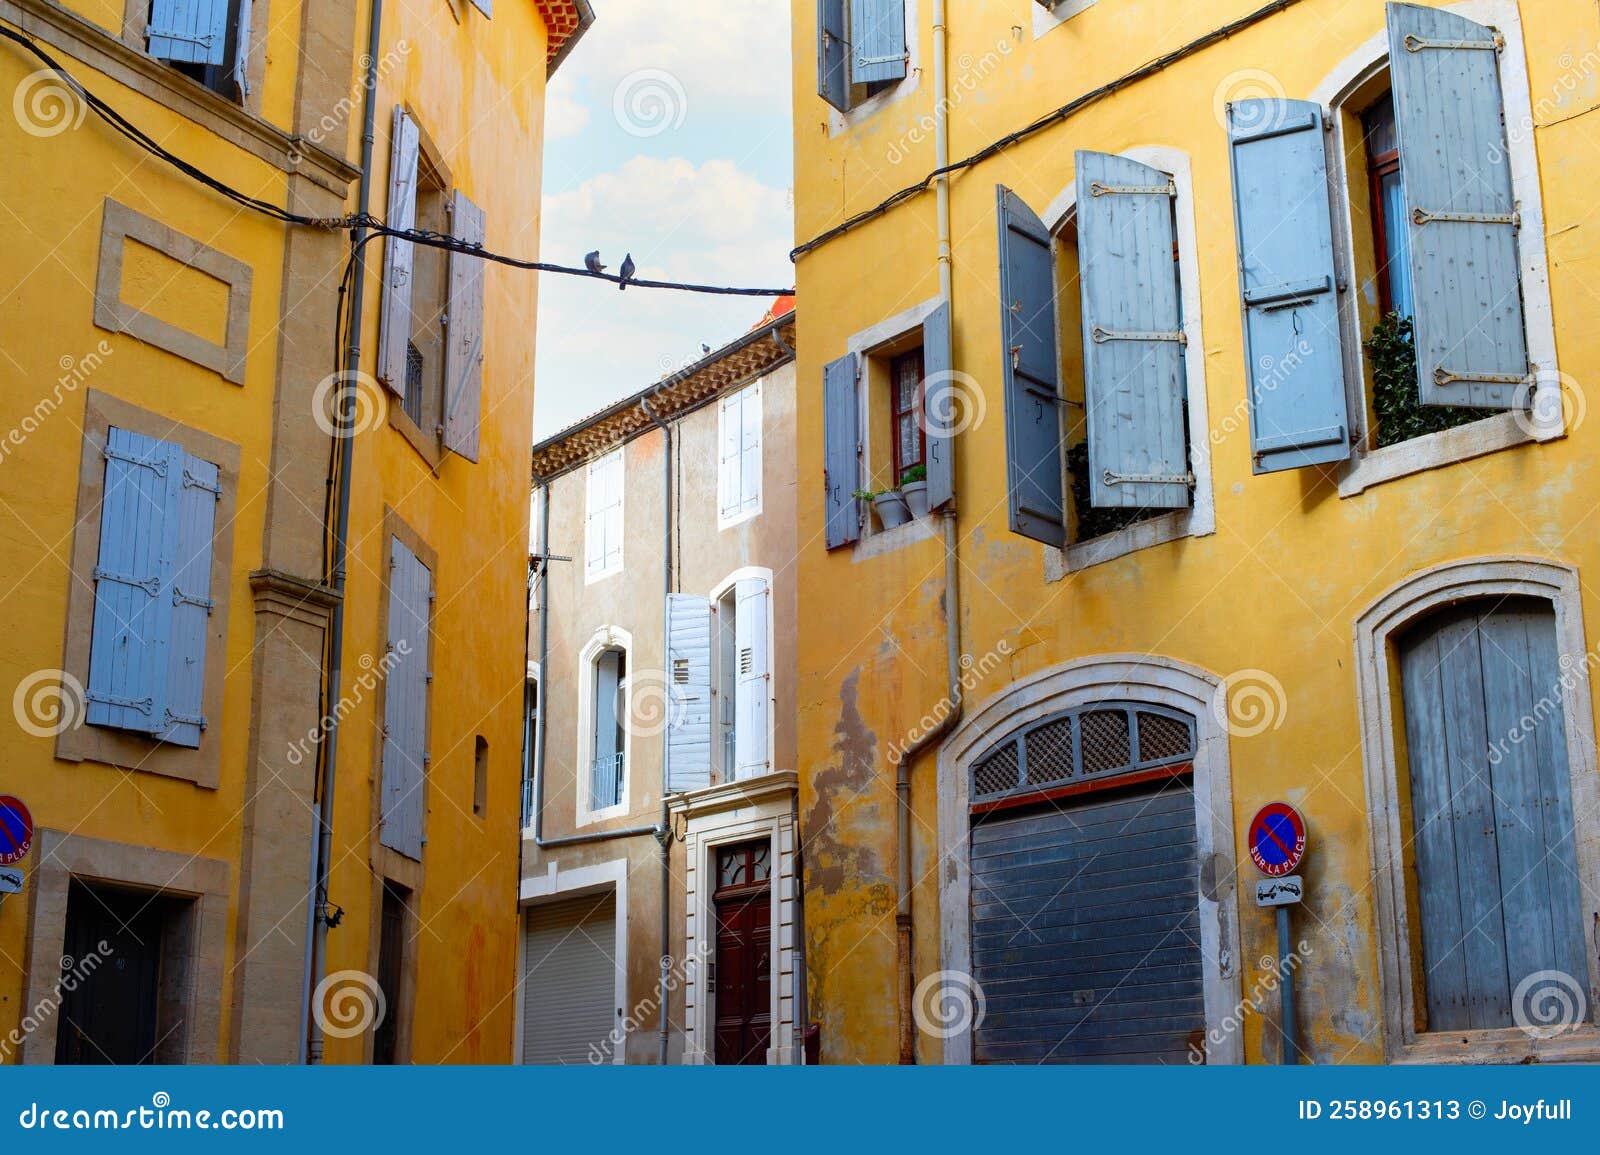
<point>1089,743</point>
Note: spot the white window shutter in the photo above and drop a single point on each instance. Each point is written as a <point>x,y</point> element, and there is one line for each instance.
<point>753,688</point>
<point>188,31</point>
<point>750,450</point>
<point>463,362</point>
<point>603,530</point>
<point>594,522</point>
<point>399,257</point>
<point>729,456</point>
<point>241,50</point>
<point>689,686</point>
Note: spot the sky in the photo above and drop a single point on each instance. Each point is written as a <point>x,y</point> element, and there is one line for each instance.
<point>667,136</point>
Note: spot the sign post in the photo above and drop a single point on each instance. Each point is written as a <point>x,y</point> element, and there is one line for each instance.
<point>1277,845</point>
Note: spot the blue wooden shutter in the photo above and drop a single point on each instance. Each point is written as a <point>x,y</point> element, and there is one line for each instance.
<point>1293,359</point>
<point>841,419</point>
<point>463,361</point>
<point>833,54</point>
<point>1465,271</point>
<point>1132,335</point>
<point>939,398</point>
<point>689,675</point>
<point>1032,373</point>
<point>198,493</point>
<point>188,31</point>
<point>878,35</point>
<point>241,50</point>
<point>399,257</point>
<point>133,583</point>
<point>405,702</point>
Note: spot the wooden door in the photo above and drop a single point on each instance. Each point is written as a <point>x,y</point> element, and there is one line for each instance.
<point>742,978</point>
<point>110,1015</point>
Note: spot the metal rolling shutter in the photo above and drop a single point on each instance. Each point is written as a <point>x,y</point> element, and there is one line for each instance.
<point>569,981</point>
<point>1085,913</point>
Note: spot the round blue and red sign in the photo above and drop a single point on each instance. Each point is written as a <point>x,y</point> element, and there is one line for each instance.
<point>1277,839</point>
<point>16,830</point>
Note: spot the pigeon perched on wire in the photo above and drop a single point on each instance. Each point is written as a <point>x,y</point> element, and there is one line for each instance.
<point>626,271</point>
<point>591,261</point>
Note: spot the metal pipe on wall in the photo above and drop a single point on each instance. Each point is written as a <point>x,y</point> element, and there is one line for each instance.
<point>664,837</point>
<point>322,838</point>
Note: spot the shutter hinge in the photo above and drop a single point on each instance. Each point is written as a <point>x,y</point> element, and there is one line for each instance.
<point>1443,376</point>
<point>1102,335</point>
<point>143,705</point>
<point>203,41</point>
<point>427,758</point>
<point>428,677</point>
<point>151,586</point>
<point>193,482</point>
<point>175,718</point>
<point>179,598</point>
<point>1114,478</point>
<point>1415,43</point>
<point>1170,189</point>
<point>159,464</point>
<point>1428,216</point>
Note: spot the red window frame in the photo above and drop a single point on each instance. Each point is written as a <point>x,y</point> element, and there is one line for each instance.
<point>911,363</point>
<point>1380,165</point>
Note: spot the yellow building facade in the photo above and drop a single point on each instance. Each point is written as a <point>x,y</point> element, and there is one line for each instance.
<point>174,363</point>
<point>1214,542</point>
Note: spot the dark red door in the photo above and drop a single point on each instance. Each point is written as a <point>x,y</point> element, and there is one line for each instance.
<point>742,990</point>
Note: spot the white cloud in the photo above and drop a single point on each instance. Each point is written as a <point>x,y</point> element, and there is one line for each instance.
<point>564,114</point>
<point>717,49</point>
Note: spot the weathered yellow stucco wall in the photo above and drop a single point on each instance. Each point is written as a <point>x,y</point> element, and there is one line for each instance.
<point>1291,565</point>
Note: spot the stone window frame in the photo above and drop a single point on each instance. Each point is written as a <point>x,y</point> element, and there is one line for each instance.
<point>81,741</point>
<point>603,639</point>
<point>60,857</point>
<point>1378,696</point>
<point>121,223</point>
<point>136,20</point>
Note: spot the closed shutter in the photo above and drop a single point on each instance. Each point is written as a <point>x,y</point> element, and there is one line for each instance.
<point>405,702</point>
<point>241,50</point>
<point>463,362</point>
<point>841,419</point>
<point>198,494</point>
<point>399,257</point>
<point>833,54</point>
<point>1491,804</point>
<point>188,31</point>
<point>1465,271</point>
<point>569,977</point>
<point>133,582</point>
<point>750,449</point>
<point>1086,930</point>
<point>689,673</point>
<point>878,35</point>
<point>603,532</point>
<point>939,399</point>
<point>1132,335</point>
<point>1032,374</point>
<point>753,688</point>
<point>1298,413</point>
<point>729,458</point>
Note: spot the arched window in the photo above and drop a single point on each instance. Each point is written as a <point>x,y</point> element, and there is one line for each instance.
<point>607,769</point>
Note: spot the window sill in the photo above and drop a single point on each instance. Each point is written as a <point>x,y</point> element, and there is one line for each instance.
<point>888,540</point>
<point>1447,447</point>
<point>737,519</point>
<point>430,450</point>
<point>1141,535</point>
<point>1578,1045</point>
<point>593,817</point>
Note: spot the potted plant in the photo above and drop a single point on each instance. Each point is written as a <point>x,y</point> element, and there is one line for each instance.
<point>890,505</point>
<point>914,488</point>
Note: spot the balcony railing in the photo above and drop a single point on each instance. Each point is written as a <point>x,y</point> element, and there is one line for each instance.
<point>606,778</point>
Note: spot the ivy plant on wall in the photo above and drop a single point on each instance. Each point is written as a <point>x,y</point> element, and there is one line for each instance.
<point>1395,399</point>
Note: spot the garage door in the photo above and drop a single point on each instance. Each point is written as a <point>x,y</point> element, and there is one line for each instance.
<point>1085,916</point>
<point>569,1001</point>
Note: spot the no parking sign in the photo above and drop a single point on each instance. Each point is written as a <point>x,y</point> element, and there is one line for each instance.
<point>1277,839</point>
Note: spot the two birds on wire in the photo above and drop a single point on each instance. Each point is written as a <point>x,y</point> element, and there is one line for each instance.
<point>591,261</point>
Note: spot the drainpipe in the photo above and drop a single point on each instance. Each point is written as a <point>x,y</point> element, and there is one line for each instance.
<point>664,835</point>
<point>322,843</point>
<point>952,568</point>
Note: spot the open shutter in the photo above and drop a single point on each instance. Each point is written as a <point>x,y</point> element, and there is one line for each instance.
<point>841,419</point>
<point>198,494</point>
<point>1298,414</point>
<point>939,406</point>
<point>405,708</point>
<point>133,583</point>
<point>729,457</point>
<point>1471,345</point>
<point>750,449</point>
<point>399,257</point>
<point>241,50</point>
<point>463,362</point>
<point>1032,373</point>
<point>753,688</point>
<point>878,34</point>
<point>484,6</point>
<point>833,54</point>
<point>1132,335</point>
<point>188,31</point>
<point>689,672</point>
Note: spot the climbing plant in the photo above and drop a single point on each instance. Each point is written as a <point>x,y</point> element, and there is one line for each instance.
<point>1093,522</point>
<point>1396,401</point>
